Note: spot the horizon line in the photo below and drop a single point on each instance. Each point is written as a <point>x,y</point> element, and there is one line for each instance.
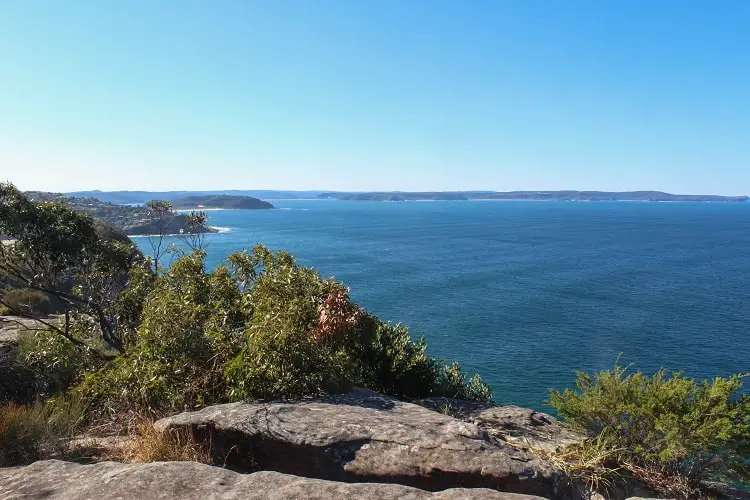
<point>394,191</point>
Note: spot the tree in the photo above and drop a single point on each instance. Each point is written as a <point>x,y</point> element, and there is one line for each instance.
<point>71,258</point>
<point>160,214</point>
<point>194,234</point>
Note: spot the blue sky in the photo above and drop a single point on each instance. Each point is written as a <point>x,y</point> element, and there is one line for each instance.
<point>376,95</point>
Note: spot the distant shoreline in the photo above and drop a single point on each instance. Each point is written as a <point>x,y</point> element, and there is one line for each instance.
<point>219,230</point>
<point>225,196</point>
<point>199,209</point>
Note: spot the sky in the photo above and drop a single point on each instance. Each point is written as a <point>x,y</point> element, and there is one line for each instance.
<point>376,95</point>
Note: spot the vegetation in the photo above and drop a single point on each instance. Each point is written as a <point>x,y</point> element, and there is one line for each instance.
<point>127,219</point>
<point>62,254</point>
<point>139,338</point>
<point>151,445</point>
<point>260,327</point>
<point>25,301</point>
<point>220,201</point>
<point>665,424</point>
<point>28,433</point>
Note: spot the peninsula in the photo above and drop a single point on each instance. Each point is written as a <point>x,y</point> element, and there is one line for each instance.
<point>202,202</point>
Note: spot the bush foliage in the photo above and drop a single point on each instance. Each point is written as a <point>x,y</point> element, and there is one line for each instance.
<point>665,421</point>
<point>260,326</point>
<point>25,301</point>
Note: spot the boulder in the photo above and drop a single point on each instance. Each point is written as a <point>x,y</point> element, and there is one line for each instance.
<point>363,436</point>
<point>56,480</point>
<point>520,427</point>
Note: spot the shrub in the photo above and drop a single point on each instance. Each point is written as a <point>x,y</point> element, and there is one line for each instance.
<point>398,366</point>
<point>452,383</point>
<point>262,327</point>
<point>26,302</point>
<point>307,337</point>
<point>296,344</point>
<point>666,421</point>
<point>52,362</point>
<point>176,358</point>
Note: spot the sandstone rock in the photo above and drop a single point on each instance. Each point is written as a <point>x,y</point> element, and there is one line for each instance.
<point>366,437</point>
<point>521,427</point>
<point>56,480</point>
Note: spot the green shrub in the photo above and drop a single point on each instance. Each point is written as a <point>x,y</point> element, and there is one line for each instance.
<point>398,366</point>
<point>666,421</point>
<point>26,301</point>
<point>452,383</point>
<point>298,339</point>
<point>189,325</point>
<point>262,327</point>
<point>52,362</point>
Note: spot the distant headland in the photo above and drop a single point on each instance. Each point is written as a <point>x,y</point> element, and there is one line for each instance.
<point>530,195</point>
<point>202,202</point>
<point>229,198</point>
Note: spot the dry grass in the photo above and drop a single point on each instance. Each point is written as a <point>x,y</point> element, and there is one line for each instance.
<point>42,430</point>
<point>22,434</point>
<point>672,485</point>
<point>601,469</point>
<point>151,445</point>
<point>590,462</point>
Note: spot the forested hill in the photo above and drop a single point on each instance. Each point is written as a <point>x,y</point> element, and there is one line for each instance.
<point>220,201</point>
<point>132,220</point>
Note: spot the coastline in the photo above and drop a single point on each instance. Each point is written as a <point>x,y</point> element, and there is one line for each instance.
<point>219,230</point>
<point>198,209</point>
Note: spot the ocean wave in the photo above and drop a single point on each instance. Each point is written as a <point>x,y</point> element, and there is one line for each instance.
<point>222,229</point>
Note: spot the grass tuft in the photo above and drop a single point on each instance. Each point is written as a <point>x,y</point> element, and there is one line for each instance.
<point>151,445</point>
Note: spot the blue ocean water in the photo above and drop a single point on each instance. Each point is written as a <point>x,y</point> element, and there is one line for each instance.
<point>526,293</point>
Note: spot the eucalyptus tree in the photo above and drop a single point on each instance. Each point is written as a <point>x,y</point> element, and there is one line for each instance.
<point>80,263</point>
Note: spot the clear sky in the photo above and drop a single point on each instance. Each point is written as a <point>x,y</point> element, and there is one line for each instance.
<point>376,95</point>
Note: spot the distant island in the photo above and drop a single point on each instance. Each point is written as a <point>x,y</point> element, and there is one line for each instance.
<point>199,202</point>
<point>140,197</point>
<point>133,221</point>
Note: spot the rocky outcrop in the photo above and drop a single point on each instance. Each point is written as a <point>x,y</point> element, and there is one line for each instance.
<point>523,428</point>
<point>366,437</point>
<point>56,480</point>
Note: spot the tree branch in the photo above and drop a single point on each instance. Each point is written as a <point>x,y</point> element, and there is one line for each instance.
<point>65,333</point>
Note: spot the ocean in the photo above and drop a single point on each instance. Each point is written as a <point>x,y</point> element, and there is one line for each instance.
<point>527,293</point>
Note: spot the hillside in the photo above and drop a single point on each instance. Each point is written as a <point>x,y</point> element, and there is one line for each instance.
<point>132,220</point>
<point>220,201</point>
